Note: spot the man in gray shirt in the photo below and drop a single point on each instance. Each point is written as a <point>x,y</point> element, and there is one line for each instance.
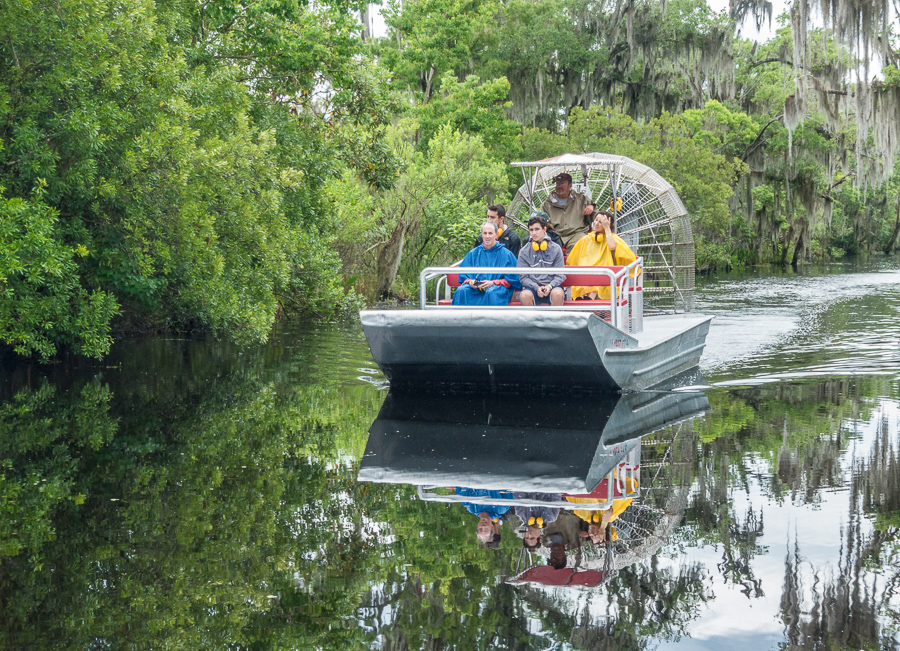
<point>541,251</point>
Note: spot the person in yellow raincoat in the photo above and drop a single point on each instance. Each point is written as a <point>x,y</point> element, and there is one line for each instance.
<point>599,520</point>
<point>600,247</point>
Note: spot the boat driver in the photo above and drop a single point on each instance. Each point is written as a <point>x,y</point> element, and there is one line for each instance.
<point>569,210</point>
<point>487,289</point>
<point>496,213</point>
<point>541,251</point>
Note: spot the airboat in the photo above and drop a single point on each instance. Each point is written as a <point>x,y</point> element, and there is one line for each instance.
<point>644,334</point>
<point>576,455</point>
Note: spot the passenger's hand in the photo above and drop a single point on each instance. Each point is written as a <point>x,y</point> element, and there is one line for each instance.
<point>604,223</point>
<point>588,209</point>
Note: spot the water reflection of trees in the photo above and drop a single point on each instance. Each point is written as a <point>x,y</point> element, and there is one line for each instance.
<point>182,510</point>
<point>184,500</point>
<point>803,432</point>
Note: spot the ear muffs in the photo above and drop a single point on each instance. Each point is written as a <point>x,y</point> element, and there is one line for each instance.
<point>616,204</point>
<point>597,235</point>
<point>530,521</point>
<point>500,231</point>
<point>539,247</point>
<point>596,517</point>
<point>538,521</point>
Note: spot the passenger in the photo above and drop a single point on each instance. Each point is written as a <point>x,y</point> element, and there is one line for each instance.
<point>541,251</point>
<point>598,521</point>
<point>568,211</point>
<point>601,247</point>
<point>487,289</point>
<point>536,517</point>
<point>506,236</point>
<point>557,556</point>
<point>565,529</point>
<point>489,515</point>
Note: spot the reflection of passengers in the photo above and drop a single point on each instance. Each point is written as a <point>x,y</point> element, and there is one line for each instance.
<point>564,530</point>
<point>541,251</point>
<point>489,515</point>
<point>598,522</point>
<point>536,517</point>
<point>487,289</point>
<point>601,247</point>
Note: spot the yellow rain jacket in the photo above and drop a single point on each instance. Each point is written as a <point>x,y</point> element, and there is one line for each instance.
<point>590,253</point>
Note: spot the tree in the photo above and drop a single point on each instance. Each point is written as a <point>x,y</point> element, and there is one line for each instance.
<point>180,148</point>
<point>431,214</point>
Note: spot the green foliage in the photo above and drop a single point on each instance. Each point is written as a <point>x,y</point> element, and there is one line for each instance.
<point>42,302</point>
<point>180,155</point>
<point>437,203</point>
<point>429,38</point>
<point>475,108</point>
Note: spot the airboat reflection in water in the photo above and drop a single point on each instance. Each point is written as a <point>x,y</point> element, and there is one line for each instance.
<point>579,458</point>
<point>644,334</point>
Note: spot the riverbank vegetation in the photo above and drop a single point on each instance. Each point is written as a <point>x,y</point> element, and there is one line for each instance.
<point>213,166</point>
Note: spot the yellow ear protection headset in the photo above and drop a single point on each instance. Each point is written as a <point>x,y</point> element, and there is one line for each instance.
<point>500,230</point>
<point>616,204</point>
<point>596,517</point>
<point>539,246</point>
<point>597,235</point>
<point>538,521</point>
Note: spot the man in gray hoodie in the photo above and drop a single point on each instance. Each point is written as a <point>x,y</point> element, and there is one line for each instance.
<point>541,251</point>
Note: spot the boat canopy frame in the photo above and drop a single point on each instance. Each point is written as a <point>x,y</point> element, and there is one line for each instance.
<point>650,218</point>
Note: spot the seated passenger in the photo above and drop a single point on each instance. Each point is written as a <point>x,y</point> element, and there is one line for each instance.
<point>535,517</point>
<point>496,213</point>
<point>487,289</point>
<point>600,247</point>
<point>489,515</point>
<point>541,251</point>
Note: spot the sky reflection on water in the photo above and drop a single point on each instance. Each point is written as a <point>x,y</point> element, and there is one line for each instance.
<point>189,494</point>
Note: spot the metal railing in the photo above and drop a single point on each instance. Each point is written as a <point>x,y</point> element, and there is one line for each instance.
<point>621,284</point>
<point>427,496</point>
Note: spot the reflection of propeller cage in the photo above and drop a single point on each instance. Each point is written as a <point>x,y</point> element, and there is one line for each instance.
<point>652,221</point>
<point>645,526</point>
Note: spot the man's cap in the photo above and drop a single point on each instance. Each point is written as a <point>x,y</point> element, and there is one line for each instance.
<point>565,176</point>
<point>541,214</point>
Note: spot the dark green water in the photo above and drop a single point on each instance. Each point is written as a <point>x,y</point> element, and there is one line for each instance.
<point>188,494</point>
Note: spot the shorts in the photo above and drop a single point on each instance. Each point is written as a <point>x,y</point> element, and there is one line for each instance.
<point>540,300</point>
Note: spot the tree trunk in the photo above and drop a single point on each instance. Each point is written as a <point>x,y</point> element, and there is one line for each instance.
<point>429,77</point>
<point>798,248</point>
<point>388,261</point>
<point>893,241</point>
<point>366,20</point>
<point>785,245</point>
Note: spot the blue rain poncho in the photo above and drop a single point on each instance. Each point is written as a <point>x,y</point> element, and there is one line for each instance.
<point>493,510</point>
<point>497,256</point>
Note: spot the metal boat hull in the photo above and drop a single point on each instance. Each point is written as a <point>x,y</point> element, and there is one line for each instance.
<point>516,349</point>
<point>556,445</point>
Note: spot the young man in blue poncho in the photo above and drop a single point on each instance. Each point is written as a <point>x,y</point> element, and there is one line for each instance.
<point>487,289</point>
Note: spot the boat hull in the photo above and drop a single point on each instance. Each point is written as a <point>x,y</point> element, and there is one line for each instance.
<point>528,349</point>
<point>554,446</point>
